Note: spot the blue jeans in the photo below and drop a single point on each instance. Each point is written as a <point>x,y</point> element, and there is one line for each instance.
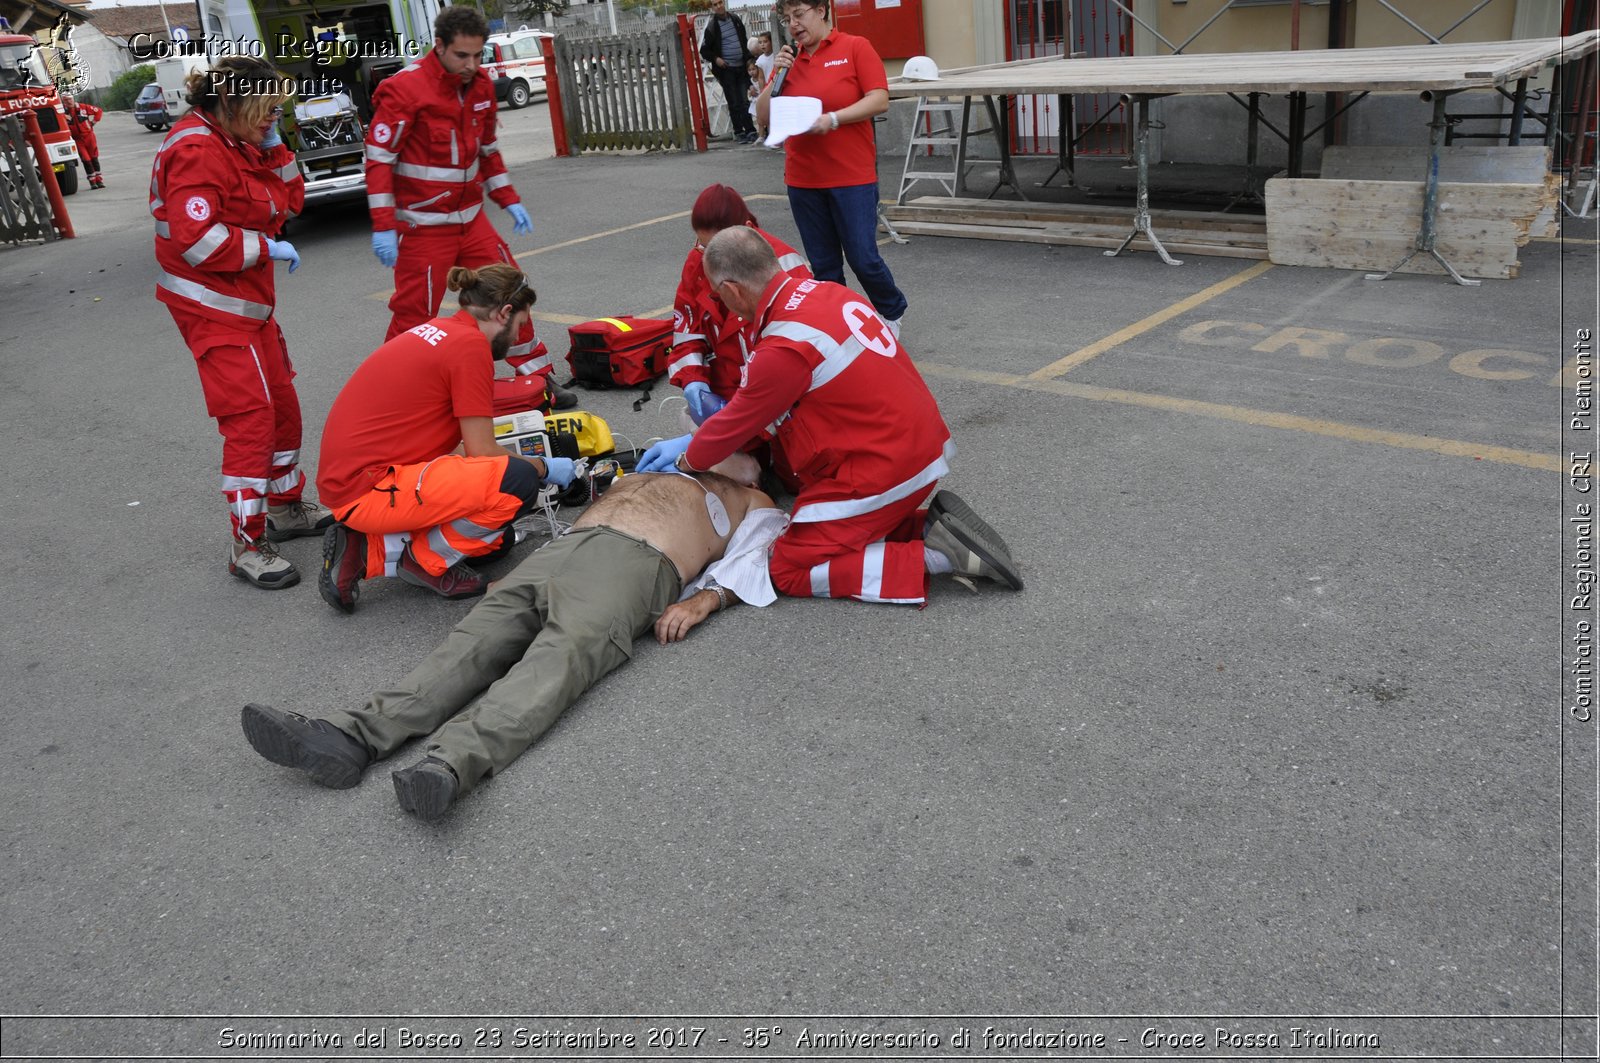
<point>839,225</point>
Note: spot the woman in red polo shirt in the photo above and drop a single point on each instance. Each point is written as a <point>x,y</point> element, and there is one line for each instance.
<point>832,169</point>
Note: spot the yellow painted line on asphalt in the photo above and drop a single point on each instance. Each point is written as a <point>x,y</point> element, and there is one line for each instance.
<point>1457,448</point>
<point>1160,317</point>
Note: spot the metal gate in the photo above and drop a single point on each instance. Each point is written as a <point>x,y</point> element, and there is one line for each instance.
<point>624,92</point>
<point>24,207</point>
<point>1097,28</point>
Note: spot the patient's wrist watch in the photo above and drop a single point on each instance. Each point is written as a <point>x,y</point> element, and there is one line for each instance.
<point>682,464</point>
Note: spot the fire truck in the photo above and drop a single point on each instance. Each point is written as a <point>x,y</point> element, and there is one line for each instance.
<point>25,85</point>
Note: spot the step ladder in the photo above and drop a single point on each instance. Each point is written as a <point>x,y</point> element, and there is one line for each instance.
<point>938,149</point>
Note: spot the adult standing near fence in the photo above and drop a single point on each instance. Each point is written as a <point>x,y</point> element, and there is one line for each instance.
<point>432,152</point>
<point>222,188</point>
<point>832,169</point>
<point>726,46</point>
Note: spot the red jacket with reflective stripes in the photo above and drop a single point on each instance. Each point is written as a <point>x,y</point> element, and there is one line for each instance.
<point>708,340</point>
<point>432,149</point>
<point>216,201</point>
<point>855,425</point>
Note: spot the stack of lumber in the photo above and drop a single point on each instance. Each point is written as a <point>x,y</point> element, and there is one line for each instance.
<point>1366,210</point>
<point>1089,225</point>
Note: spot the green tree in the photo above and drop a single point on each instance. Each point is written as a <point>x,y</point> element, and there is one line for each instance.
<point>123,91</point>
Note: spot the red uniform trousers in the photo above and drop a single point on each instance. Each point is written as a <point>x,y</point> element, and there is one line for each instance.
<point>248,382</point>
<point>88,147</point>
<point>426,254</point>
<point>876,557</point>
<point>449,508</point>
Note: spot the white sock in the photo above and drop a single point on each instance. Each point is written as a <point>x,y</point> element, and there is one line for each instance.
<point>936,563</point>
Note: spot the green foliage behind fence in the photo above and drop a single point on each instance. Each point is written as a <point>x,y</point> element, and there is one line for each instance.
<point>123,91</point>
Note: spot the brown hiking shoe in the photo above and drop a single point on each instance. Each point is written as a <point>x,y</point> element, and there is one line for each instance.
<point>344,566</point>
<point>457,581</point>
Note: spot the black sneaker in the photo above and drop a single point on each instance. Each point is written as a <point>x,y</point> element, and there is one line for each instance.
<point>329,756</point>
<point>427,789</point>
<point>344,566</point>
<point>975,549</point>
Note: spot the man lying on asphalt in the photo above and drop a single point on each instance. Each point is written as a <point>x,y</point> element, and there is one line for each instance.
<point>562,619</point>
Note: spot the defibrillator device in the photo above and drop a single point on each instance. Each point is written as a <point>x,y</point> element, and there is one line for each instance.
<point>568,434</point>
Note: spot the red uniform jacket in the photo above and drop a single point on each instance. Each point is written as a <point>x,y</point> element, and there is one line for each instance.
<point>855,426</point>
<point>81,120</point>
<point>708,340</point>
<point>431,149</point>
<point>216,200</point>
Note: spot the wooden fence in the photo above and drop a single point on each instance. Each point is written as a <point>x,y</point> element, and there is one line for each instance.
<point>625,92</point>
<point>24,208</point>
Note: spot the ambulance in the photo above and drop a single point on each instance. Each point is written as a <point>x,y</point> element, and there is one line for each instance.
<point>516,63</point>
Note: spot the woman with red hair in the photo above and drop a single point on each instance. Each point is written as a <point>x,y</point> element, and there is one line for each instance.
<point>708,346</point>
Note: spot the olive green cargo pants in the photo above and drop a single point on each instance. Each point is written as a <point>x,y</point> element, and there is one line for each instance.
<point>552,628</point>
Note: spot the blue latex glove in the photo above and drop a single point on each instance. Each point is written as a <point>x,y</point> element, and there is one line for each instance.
<point>386,245</point>
<point>703,402</point>
<point>660,457</point>
<point>521,224</point>
<point>283,251</point>
<point>559,471</point>
<point>272,139</point>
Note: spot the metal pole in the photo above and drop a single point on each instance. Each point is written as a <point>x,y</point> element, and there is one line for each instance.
<point>1141,211</point>
<point>1297,133</point>
<point>1428,233</point>
<point>1294,27</point>
<point>1519,107</point>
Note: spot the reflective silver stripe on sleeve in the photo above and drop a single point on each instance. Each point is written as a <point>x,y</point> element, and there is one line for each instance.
<point>836,356</point>
<point>499,180</point>
<point>455,217</point>
<point>674,368</point>
<point>384,199</point>
<point>436,173</point>
<point>192,131</point>
<point>199,293</point>
<point>163,230</point>
<point>842,508</point>
<point>685,337</point>
<point>375,154</point>
<point>790,261</point>
<point>289,171</point>
<point>491,148</point>
<point>204,247</point>
<point>253,242</point>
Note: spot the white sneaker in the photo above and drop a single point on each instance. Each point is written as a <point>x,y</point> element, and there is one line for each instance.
<point>294,519</point>
<point>894,326</point>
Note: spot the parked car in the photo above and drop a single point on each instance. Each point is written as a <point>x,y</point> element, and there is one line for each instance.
<point>150,108</point>
<point>516,63</point>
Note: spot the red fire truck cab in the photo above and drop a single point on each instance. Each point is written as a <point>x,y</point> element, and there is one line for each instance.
<point>25,86</point>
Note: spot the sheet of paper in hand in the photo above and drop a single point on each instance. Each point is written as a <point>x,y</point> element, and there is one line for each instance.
<point>790,116</point>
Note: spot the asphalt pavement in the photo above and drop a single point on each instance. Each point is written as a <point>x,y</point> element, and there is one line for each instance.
<point>1275,737</point>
